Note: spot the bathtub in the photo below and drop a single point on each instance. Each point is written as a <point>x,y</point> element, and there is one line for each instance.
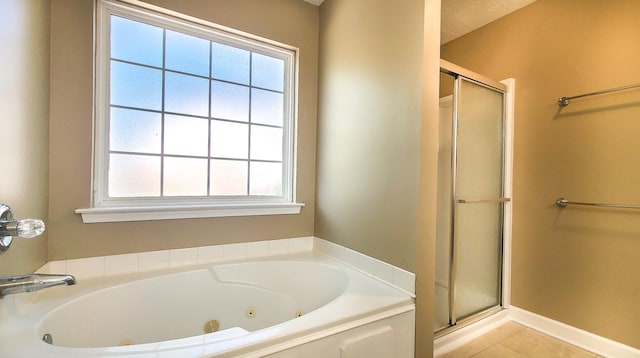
<point>305,304</point>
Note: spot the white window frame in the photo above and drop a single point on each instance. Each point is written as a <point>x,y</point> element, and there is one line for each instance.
<point>106,209</point>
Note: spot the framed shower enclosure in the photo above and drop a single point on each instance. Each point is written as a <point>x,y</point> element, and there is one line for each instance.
<point>474,198</point>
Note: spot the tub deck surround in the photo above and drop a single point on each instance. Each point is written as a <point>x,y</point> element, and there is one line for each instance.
<point>172,259</point>
<point>332,298</point>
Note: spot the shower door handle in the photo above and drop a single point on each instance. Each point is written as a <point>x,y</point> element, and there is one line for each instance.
<point>480,201</point>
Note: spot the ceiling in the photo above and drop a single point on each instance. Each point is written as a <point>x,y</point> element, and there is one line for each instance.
<point>460,17</point>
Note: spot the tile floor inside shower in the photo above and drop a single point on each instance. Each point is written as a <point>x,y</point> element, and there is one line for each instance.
<point>512,340</point>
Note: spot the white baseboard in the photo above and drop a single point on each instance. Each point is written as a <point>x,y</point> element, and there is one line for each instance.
<point>580,338</point>
<point>572,335</point>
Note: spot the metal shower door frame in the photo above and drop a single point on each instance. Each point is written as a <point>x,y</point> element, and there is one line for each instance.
<point>460,74</point>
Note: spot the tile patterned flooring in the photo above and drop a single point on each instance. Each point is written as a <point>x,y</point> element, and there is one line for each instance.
<point>512,340</point>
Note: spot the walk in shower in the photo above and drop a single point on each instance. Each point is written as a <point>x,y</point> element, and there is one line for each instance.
<point>473,198</point>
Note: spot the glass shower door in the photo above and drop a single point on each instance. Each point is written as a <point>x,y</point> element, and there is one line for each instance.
<point>478,199</point>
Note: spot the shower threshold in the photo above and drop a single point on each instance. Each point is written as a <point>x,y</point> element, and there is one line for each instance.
<point>461,323</point>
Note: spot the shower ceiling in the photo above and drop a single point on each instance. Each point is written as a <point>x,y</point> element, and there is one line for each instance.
<point>463,16</point>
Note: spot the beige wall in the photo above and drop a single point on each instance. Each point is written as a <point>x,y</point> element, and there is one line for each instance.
<point>575,265</point>
<point>369,127</point>
<point>289,21</point>
<point>24,105</point>
<point>425,274</point>
<point>378,137</point>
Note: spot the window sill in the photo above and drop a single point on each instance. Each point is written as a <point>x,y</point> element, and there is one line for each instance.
<point>119,214</point>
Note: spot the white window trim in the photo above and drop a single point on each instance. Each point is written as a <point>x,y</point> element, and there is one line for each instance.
<point>132,213</point>
<point>116,210</point>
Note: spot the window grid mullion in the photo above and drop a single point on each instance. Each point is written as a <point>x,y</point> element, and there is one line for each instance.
<point>163,101</point>
<point>209,176</point>
<point>210,77</point>
<point>194,116</point>
<point>124,152</point>
<point>250,123</point>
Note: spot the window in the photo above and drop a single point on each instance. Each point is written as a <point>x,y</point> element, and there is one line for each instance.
<point>190,119</point>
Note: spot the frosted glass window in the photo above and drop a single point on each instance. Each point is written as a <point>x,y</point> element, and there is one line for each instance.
<point>266,143</point>
<point>229,140</point>
<point>186,135</point>
<point>229,101</point>
<point>186,53</point>
<point>136,86</point>
<point>135,131</point>
<point>230,63</point>
<point>135,41</point>
<point>134,175</point>
<point>186,94</point>
<point>267,107</point>
<point>229,177</point>
<point>266,179</point>
<point>189,116</point>
<point>185,176</point>
<point>267,72</point>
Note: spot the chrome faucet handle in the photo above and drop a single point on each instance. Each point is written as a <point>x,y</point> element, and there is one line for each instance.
<point>27,228</point>
<point>10,227</point>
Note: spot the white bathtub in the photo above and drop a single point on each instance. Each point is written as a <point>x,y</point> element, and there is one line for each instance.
<point>275,307</point>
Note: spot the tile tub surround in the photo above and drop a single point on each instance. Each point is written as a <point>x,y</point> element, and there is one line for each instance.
<point>102,266</point>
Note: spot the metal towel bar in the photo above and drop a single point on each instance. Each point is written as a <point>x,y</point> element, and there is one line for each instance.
<point>563,203</point>
<point>482,201</point>
<point>564,101</point>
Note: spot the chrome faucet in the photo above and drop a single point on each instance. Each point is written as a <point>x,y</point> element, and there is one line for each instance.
<point>34,282</point>
<point>26,228</point>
